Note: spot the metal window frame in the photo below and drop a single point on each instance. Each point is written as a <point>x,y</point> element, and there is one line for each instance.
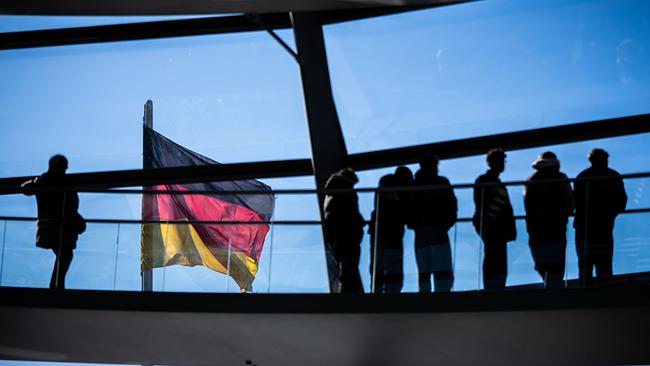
<point>327,155</point>
<point>188,27</point>
<point>511,141</point>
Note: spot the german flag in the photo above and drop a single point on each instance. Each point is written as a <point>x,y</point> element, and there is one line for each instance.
<point>232,249</point>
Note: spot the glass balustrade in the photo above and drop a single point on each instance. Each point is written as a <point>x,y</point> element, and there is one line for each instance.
<point>292,259</point>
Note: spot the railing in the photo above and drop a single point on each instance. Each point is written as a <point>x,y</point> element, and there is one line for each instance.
<point>293,256</point>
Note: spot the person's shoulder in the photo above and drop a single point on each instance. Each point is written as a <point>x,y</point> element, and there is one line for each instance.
<point>443,180</point>
<point>534,176</point>
<point>613,172</point>
<point>337,181</point>
<point>420,177</point>
<point>483,178</point>
<point>585,173</point>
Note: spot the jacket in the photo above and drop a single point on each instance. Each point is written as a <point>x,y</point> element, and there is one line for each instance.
<point>436,207</point>
<point>494,218</point>
<point>548,204</point>
<point>58,222</point>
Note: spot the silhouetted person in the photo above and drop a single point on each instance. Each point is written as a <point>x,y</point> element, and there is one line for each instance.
<point>344,228</point>
<point>386,238</point>
<point>59,223</point>
<point>549,203</point>
<point>404,178</point>
<point>599,195</point>
<point>434,213</point>
<point>494,221</point>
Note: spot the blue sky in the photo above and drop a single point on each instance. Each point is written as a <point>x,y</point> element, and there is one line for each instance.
<point>447,73</point>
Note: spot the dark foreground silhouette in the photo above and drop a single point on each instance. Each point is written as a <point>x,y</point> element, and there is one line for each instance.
<point>599,196</point>
<point>344,229</point>
<point>549,203</point>
<point>494,221</point>
<point>434,213</point>
<point>59,224</point>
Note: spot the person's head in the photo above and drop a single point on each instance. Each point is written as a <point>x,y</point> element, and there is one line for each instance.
<point>546,160</point>
<point>496,160</point>
<point>349,173</point>
<point>58,164</point>
<point>598,158</point>
<point>387,180</point>
<point>429,163</point>
<point>403,175</point>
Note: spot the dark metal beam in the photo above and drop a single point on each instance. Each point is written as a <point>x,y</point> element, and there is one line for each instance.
<point>140,31</point>
<point>338,16</point>
<point>371,160</point>
<point>191,7</point>
<point>170,7</point>
<point>562,134</point>
<point>205,173</point>
<point>327,143</point>
<point>186,27</point>
<point>258,20</point>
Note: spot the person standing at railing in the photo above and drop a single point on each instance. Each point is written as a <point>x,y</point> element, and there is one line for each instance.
<point>344,228</point>
<point>59,223</point>
<point>549,203</point>
<point>434,213</point>
<point>386,239</point>
<point>404,177</point>
<point>600,196</point>
<point>494,220</point>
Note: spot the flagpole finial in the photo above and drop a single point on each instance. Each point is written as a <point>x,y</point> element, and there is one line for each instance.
<point>147,119</point>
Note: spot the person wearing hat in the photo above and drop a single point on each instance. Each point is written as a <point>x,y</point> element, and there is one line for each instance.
<point>600,196</point>
<point>548,201</point>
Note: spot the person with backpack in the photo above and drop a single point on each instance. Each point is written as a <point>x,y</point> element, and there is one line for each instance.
<point>59,222</point>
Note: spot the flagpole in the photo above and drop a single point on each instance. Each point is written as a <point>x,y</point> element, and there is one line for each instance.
<point>228,263</point>
<point>147,273</point>
<point>270,255</point>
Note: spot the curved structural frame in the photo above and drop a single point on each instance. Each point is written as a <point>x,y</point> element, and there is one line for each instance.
<point>328,145</point>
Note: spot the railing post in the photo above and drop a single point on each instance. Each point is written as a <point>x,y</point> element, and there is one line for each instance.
<point>2,252</point>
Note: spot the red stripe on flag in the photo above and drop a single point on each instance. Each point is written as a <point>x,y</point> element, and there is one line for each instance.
<point>197,207</point>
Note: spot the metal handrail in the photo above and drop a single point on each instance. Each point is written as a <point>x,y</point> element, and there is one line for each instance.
<point>336,191</point>
<point>261,222</point>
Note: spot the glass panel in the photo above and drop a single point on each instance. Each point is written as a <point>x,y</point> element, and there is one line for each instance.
<point>468,257</point>
<point>521,267</point>
<point>25,265</point>
<point>637,193</point>
<point>627,155</point>
<point>631,249</point>
<point>461,71</point>
<point>292,259</point>
<point>108,255</point>
<point>232,98</point>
